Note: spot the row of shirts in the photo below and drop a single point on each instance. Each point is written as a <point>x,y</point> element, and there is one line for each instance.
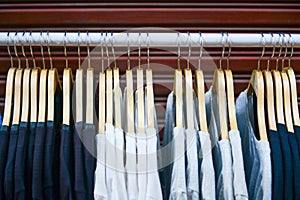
<point>241,167</point>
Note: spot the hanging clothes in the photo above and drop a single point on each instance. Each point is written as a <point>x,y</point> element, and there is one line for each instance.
<point>256,154</point>
<point>20,160</point>
<point>4,143</point>
<point>296,164</point>
<point>1,118</point>
<point>297,132</point>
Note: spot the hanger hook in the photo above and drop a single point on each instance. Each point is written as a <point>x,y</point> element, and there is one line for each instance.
<point>128,51</point>
<point>178,53</point>
<point>273,51</point>
<point>16,53</point>
<point>31,51</point>
<point>23,51</point>
<point>65,49</point>
<point>263,41</point>
<point>148,51</point>
<point>102,53</point>
<point>42,50</point>
<point>223,51</point>
<point>78,49</point>
<point>201,50</point>
<point>189,51</point>
<point>229,50</point>
<point>49,51</point>
<point>285,41</point>
<point>88,49</point>
<point>106,48</point>
<point>113,49</point>
<point>8,51</point>
<point>280,50</point>
<point>139,59</point>
<point>291,41</point>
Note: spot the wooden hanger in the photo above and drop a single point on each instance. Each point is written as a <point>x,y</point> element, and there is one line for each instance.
<point>140,95</point>
<point>79,86</point>
<point>9,91</point>
<point>256,86</point>
<point>230,92</point>
<point>43,96</point>
<point>117,99</point>
<point>102,102</point>
<point>129,100</point>
<point>90,89</point>
<point>109,97</point>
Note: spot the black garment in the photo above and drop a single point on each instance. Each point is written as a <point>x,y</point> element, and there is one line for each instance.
<point>79,169</point>
<point>287,163</point>
<point>88,139</point>
<point>296,164</point>
<point>20,160</point>
<point>29,161</point>
<point>38,155</point>
<point>51,151</point>
<point>4,141</point>
<point>66,175</point>
<point>297,132</point>
<point>9,168</point>
<point>277,165</point>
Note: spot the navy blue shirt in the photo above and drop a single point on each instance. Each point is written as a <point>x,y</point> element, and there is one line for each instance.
<point>88,139</point>
<point>4,140</point>
<point>297,132</point>
<point>38,155</point>
<point>277,165</point>
<point>287,162</point>
<point>21,153</point>
<point>10,164</point>
<point>66,171</point>
<point>296,164</point>
<point>29,160</point>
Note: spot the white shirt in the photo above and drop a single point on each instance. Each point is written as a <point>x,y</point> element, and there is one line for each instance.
<point>142,165</point>
<point>131,166</point>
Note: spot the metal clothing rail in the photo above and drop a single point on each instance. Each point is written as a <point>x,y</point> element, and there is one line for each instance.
<point>134,39</point>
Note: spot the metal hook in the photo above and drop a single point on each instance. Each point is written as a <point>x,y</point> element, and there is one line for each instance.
<point>113,49</point>
<point>139,59</point>
<point>263,50</point>
<point>285,52</point>
<point>42,50</point>
<point>23,52</point>
<point>189,51</point>
<point>229,50</point>
<point>128,52</point>
<point>106,48</point>
<point>292,49</point>
<point>49,52</point>
<point>78,50</point>
<point>88,49</point>
<point>31,51</point>
<point>65,49</point>
<point>102,54</point>
<point>8,51</point>
<point>16,53</point>
<point>280,51</point>
<point>201,50</point>
<point>223,51</point>
<point>273,51</point>
<point>178,53</point>
<point>148,51</point>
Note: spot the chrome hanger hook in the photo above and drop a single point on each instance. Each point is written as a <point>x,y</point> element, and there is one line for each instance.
<point>280,50</point>
<point>128,51</point>
<point>263,41</point>
<point>8,51</point>
<point>16,53</point>
<point>42,50</point>
<point>148,51</point>
<point>88,49</point>
<point>113,49</point>
<point>223,51</point>
<point>273,51</point>
<point>31,51</point>
<point>139,59</point>
<point>23,51</point>
<point>229,50</point>
<point>65,50</point>
<point>285,41</point>
<point>189,50</point>
<point>201,50</point>
<point>178,53</point>
<point>291,41</point>
<point>49,51</point>
<point>78,50</point>
<point>106,48</point>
